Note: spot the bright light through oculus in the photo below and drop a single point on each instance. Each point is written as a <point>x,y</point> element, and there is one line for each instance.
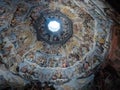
<point>54,26</point>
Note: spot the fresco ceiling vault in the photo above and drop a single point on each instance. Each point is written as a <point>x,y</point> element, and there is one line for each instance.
<point>30,51</point>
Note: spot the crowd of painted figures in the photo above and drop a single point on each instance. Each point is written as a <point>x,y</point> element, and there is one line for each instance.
<point>19,47</point>
<point>33,85</point>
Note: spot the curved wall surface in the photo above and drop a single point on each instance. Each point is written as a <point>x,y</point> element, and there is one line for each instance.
<point>25,56</point>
